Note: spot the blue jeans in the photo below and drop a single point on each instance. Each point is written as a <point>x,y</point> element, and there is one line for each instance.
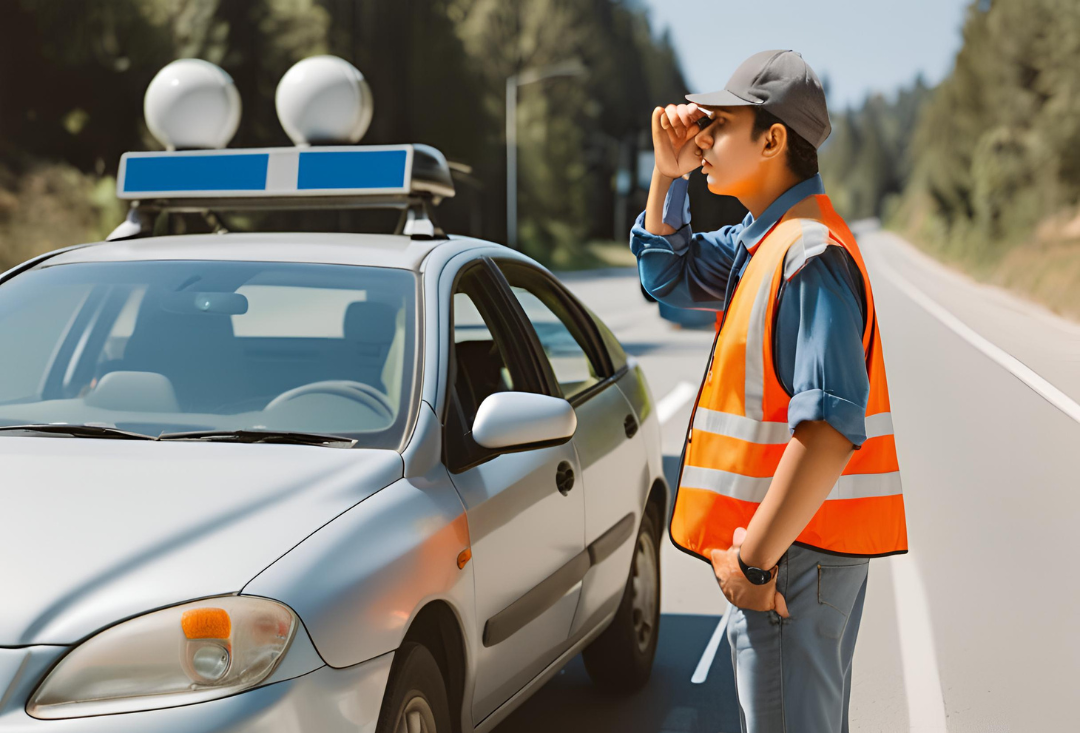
<point>793,675</point>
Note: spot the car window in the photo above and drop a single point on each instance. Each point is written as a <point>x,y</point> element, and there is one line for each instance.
<point>614,349</point>
<point>574,370</point>
<point>480,360</point>
<point>485,361</point>
<point>562,328</point>
<point>174,346</point>
<point>490,354</point>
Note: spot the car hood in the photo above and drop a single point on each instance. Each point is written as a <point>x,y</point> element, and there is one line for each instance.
<point>95,531</point>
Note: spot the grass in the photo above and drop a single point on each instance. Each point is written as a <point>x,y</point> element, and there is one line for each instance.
<point>594,255</point>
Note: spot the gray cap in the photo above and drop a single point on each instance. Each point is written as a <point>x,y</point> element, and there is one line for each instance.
<point>784,84</point>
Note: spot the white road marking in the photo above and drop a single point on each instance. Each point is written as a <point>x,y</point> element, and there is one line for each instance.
<point>1021,371</point>
<point>705,663</point>
<point>673,400</point>
<point>922,683</point>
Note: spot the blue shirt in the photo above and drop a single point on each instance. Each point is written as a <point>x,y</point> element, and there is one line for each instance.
<point>822,313</point>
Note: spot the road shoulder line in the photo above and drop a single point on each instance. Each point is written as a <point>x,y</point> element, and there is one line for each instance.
<point>1017,368</point>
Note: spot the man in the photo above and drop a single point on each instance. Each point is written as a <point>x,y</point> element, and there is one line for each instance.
<point>789,480</point>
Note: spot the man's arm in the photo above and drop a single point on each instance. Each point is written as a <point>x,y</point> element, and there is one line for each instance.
<point>659,200</point>
<point>676,266</point>
<point>812,462</point>
<point>684,269</point>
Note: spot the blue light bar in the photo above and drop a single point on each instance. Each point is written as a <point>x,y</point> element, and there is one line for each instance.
<point>193,173</point>
<point>332,171</point>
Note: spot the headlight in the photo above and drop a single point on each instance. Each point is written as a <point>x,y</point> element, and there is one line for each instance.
<point>176,656</point>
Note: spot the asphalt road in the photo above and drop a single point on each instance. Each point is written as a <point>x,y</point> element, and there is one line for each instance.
<point>974,629</point>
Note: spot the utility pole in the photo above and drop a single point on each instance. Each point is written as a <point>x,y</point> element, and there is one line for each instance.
<point>567,68</point>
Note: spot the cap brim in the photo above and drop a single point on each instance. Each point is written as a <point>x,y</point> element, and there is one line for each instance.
<point>722,98</point>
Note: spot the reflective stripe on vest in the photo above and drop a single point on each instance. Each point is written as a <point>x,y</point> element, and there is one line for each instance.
<point>739,428</point>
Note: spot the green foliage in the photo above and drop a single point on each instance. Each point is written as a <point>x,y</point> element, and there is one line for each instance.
<point>997,149</point>
<point>866,160</point>
<point>72,78</point>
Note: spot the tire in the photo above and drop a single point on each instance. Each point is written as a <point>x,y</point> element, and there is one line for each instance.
<point>620,659</point>
<point>415,699</point>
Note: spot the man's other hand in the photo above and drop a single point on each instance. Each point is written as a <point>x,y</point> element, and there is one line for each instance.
<point>739,591</point>
<point>673,132</point>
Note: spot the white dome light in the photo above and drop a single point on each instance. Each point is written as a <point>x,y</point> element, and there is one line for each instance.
<point>324,99</point>
<point>192,104</point>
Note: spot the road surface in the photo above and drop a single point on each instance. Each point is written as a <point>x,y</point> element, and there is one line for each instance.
<point>974,629</point>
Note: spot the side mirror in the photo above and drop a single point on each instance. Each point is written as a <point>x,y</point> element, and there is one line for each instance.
<point>523,420</point>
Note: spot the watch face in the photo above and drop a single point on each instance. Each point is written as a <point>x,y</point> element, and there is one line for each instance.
<point>759,576</point>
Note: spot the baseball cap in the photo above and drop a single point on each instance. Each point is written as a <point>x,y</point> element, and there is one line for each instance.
<point>784,84</point>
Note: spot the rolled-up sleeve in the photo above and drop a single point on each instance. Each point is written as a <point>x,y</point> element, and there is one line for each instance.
<point>684,269</point>
<point>820,356</point>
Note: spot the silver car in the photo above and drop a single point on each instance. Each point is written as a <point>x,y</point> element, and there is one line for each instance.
<point>334,482</point>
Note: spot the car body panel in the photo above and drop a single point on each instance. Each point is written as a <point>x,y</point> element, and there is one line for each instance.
<point>635,388</point>
<point>154,524</point>
<point>360,580</point>
<point>616,484</point>
<point>523,530</point>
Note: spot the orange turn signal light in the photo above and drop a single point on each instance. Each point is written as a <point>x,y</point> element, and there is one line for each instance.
<point>206,623</point>
<point>463,557</point>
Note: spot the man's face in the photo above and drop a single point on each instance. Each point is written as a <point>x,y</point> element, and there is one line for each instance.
<point>731,160</point>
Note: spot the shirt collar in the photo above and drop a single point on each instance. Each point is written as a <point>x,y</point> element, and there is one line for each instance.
<point>755,229</point>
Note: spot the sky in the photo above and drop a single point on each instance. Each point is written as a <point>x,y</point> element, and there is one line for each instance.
<point>862,46</point>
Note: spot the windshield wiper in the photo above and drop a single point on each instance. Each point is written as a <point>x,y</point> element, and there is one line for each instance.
<point>79,431</point>
<point>262,436</point>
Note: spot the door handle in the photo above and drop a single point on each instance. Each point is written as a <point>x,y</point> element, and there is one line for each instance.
<point>564,478</point>
<point>630,426</point>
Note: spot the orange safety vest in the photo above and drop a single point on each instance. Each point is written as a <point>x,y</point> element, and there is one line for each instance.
<point>739,429</point>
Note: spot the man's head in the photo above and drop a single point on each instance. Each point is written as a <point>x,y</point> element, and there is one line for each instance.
<point>771,113</point>
<point>741,145</point>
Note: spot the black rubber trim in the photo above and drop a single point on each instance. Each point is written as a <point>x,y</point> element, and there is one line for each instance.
<point>35,261</point>
<point>514,617</point>
<point>602,547</point>
<point>590,392</point>
<point>543,596</point>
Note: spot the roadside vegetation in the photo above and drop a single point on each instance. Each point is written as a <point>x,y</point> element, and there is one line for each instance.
<point>985,175</point>
<point>72,77</point>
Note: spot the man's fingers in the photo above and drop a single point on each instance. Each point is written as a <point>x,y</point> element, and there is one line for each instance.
<point>738,537</point>
<point>684,114</point>
<point>676,123</point>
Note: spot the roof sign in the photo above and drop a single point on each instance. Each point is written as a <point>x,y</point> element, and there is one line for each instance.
<point>277,172</point>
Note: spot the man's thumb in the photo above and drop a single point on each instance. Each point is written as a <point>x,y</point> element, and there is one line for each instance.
<point>657,121</point>
<point>781,606</point>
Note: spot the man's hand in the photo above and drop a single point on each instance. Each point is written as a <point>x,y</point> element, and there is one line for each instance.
<point>673,132</point>
<point>740,591</point>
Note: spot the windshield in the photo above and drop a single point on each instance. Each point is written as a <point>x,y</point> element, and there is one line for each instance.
<point>173,346</point>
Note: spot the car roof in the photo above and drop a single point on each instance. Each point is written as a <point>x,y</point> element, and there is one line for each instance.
<point>375,250</point>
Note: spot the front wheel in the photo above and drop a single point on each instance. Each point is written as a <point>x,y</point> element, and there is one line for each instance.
<point>415,699</point>
<point>621,658</point>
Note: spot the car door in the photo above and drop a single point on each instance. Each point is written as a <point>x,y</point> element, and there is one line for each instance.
<point>609,444</point>
<point>526,510</point>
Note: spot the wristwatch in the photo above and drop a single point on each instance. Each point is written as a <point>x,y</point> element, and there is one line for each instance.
<point>757,576</point>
